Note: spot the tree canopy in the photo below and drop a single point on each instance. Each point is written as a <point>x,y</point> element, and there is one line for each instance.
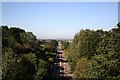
<point>23,57</point>
<point>95,54</point>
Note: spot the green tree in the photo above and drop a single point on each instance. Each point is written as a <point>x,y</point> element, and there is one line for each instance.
<point>81,69</point>
<point>106,63</point>
<point>16,67</point>
<point>64,44</point>
<point>41,70</point>
<point>84,45</point>
<point>4,36</point>
<point>21,55</point>
<point>15,32</point>
<point>53,45</point>
<point>9,65</point>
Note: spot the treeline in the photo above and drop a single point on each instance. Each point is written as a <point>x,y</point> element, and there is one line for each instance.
<point>24,57</point>
<point>95,54</point>
<point>64,44</point>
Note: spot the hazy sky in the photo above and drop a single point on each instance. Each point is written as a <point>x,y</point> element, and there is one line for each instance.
<point>59,20</point>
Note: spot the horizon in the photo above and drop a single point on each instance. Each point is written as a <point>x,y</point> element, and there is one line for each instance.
<point>59,20</point>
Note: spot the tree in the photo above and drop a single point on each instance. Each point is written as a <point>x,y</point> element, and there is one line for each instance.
<point>106,63</point>
<point>27,67</point>
<point>16,67</point>
<point>9,65</point>
<point>41,70</point>
<point>64,44</point>
<point>53,45</point>
<point>15,32</point>
<point>4,36</point>
<point>81,69</point>
<point>22,57</point>
<point>84,45</point>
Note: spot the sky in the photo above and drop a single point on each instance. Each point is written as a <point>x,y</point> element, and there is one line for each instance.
<point>59,20</point>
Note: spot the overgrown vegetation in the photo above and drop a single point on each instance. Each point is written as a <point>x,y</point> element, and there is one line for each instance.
<point>91,55</point>
<point>95,54</point>
<point>25,57</point>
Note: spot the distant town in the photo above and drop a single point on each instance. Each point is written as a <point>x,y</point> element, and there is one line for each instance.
<point>48,40</point>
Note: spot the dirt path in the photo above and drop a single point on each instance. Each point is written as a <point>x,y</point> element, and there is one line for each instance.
<point>61,68</point>
<point>66,67</point>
